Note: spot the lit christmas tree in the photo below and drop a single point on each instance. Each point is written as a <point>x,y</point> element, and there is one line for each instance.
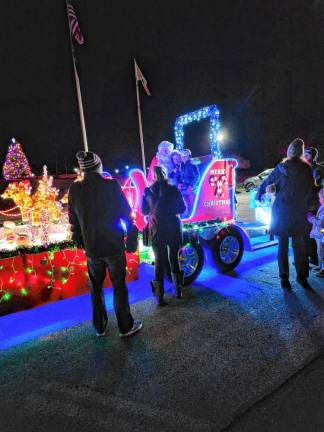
<point>16,164</point>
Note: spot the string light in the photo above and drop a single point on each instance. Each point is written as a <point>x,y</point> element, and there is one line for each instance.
<point>16,164</point>
<point>210,112</point>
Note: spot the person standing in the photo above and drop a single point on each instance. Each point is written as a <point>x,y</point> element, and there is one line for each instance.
<point>317,233</point>
<point>96,208</point>
<point>163,203</point>
<point>293,183</point>
<point>311,156</point>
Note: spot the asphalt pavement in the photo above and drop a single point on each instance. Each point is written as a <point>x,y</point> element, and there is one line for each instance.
<point>231,355</point>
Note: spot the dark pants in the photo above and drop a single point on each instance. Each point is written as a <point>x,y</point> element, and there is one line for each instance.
<point>164,253</point>
<point>312,248</point>
<point>117,270</point>
<point>299,244</point>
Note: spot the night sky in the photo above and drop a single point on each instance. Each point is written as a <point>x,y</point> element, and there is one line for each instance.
<point>261,61</point>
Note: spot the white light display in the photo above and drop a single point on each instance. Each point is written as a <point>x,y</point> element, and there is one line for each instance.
<point>210,112</point>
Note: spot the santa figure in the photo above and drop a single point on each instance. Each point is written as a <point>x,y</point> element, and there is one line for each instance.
<point>162,158</point>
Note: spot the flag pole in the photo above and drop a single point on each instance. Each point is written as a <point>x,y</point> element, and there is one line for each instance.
<point>140,126</point>
<point>77,85</point>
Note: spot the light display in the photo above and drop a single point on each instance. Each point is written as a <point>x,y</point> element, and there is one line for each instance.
<point>16,164</point>
<point>31,205</point>
<point>32,279</point>
<point>214,197</point>
<point>45,199</point>
<point>210,112</point>
<point>20,193</point>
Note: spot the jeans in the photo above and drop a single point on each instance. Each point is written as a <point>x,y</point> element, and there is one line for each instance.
<point>299,244</point>
<point>164,254</point>
<point>117,270</point>
<point>320,253</point>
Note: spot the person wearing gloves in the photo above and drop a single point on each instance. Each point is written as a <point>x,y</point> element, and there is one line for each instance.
<point>317,233</point>
<point>293,182</point>
<point>163,204</point>
<point>96,208</point>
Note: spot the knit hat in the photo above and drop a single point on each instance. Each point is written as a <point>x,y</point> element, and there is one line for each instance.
<point>295,148</point>
<point>88,161</point>
<point>312,151</point>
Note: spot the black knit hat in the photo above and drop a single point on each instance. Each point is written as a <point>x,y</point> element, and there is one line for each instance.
<point>88,161</point>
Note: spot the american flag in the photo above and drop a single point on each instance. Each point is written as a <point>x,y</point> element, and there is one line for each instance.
<point>140,77</point>
<point>74,25</point>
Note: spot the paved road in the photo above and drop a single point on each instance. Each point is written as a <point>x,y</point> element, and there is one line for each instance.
<point>296,407</point>
<point>198,364</point>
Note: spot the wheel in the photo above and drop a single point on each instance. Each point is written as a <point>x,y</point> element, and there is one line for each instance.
<point>249,187</point>
<point>191,258</point>
<point>227,249</point>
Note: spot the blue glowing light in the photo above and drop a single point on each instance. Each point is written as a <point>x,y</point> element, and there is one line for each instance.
<point>210,112</point>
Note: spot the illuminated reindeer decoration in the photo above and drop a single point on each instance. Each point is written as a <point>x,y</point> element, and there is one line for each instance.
<point>31,206</point>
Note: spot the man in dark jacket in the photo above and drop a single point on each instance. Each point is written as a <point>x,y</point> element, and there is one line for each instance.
<point>97,206</point>
<point>293,182</point>
<point>311,156</point>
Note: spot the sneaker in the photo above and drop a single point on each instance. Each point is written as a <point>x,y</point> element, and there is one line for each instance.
<point>137,325</point>
<point>104,332</point>
<point>320,273</point>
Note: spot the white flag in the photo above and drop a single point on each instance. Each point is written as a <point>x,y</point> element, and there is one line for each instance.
<point>140,77</point>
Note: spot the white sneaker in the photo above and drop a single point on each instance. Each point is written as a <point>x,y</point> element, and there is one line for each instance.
<point>104,333</point>
<point>137,325</point>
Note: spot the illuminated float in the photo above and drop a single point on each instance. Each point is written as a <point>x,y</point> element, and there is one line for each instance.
<point>210,230</point>
<point>39,263</point>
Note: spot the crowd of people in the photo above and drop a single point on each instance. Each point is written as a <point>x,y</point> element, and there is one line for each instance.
<point>297,211</point>
<point>97,206</point>
<point>180,171</point>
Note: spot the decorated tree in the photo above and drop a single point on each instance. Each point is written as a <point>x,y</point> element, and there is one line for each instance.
<point>16,164</point>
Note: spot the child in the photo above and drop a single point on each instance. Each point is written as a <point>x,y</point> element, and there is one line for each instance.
<point>317,233</point>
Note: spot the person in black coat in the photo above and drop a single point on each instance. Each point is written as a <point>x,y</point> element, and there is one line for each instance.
<point>96,208</point>
<point>311,156</point>
<point>293,183</point>
<point>163,203</point>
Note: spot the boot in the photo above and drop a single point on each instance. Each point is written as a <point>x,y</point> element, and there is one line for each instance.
<point>158,292</point>
<point>177,279</point>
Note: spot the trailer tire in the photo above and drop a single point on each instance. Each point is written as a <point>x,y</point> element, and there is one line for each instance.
<point>227,249</point>
<point>191,258</point>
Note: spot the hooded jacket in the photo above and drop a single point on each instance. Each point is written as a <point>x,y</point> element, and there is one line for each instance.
<point>294,182</point>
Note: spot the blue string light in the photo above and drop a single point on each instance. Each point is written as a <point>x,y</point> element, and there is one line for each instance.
<point>211,112</point>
